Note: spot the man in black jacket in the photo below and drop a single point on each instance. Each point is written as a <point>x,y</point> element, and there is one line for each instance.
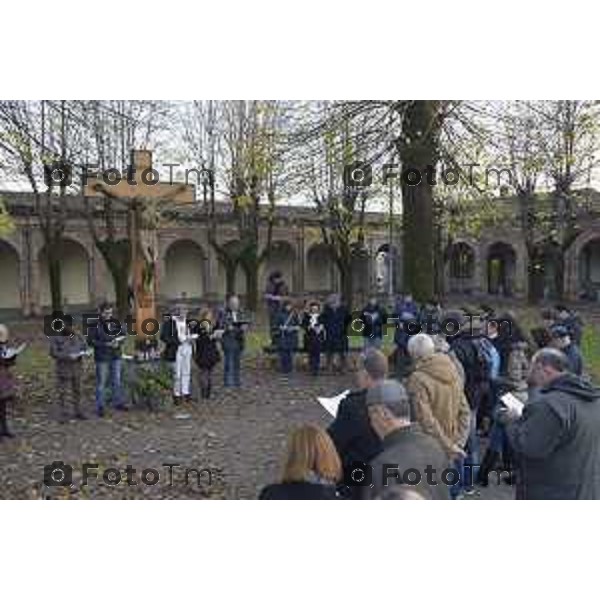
<point>351,431</point>
<point>409,456</point>
<point>556,438</point>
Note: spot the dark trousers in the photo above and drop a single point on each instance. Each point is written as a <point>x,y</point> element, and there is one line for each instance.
<point>68,383</point>
<point>205,381</point>
<point>314,361</point>
<point>286,360</point>
<point>231,365</point>
<point>3,416</point>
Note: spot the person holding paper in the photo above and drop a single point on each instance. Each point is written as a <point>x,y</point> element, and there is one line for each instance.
<point>8,386</point>
<point>556,437</point>
<point>351,431</point>
<point>106,339</point>
<point>288,324</point>
<point>232,330</point>
<point>68,350</point>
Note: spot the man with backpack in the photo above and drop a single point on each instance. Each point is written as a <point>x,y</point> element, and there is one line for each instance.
<point>475,354</point>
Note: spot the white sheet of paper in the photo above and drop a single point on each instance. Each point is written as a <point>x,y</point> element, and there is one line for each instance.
<point>512,402</point>
<point>331,404</point>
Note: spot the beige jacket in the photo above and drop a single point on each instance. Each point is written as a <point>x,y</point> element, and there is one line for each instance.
<point>439,402</point>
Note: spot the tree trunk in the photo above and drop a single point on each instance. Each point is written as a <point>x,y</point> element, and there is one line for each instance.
<point>230,270</point>
<point>251,272</point>
<point>117,256</point>
<point>54,276</point>
<point>346,283</point>
<point>419,153</point>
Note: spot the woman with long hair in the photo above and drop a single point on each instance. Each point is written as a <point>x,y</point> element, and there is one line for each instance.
<point>312,468</point>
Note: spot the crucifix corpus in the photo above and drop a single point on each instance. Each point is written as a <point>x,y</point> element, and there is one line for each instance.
<point>144,196</point>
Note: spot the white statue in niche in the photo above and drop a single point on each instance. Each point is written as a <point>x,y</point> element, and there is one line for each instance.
<point>382,271</point>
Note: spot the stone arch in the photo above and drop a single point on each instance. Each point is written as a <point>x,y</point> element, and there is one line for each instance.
<point>282,257</point>
<point>319,274</point>
<point>184,270</point>
<point>74,273</point>
<point>588,269</point>
<point>461,267</point>
<point>501,269</point>
<point>10,290</point>
<point>240,277</point>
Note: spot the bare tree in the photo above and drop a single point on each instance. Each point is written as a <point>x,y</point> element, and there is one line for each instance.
<point>36,137</point>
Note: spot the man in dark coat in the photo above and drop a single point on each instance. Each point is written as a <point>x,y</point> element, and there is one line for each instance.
<point>351,431</point>
<point>556,438</point>
<point>409,456</point>
<point>336,319</point>
<point>561,339</point>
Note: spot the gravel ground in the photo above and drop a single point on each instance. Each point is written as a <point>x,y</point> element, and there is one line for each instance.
<point>239,435</point>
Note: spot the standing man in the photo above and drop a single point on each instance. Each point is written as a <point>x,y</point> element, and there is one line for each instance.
<point>288,325</point>
<point>374,319</point>
<point>409,456</point>
<point>438,398</point>
<point>275,294</point>
<point>232,329</point>
<point>351,431</point>
<point>106,340</point>
<point>68,350</point>
<point>336,319</point>
<point>556,436</point>
<point>561,340</point>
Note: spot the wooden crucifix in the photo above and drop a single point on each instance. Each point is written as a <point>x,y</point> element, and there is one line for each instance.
<point>143,196</point>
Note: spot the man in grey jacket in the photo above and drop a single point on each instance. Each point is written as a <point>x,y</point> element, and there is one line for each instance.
<point>409,456</point>
<point>557,436</point>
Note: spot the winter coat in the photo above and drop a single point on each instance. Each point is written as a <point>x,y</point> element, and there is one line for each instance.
<point>438,400</point>
<point>574,357</point>
<point>336,321</point>
<point>374,320</point>
<point>168,336</point>
<point>314,338</point>
<point>405,449</point>
<point>62,350</point>
<point>100,338</point>
<point>351,431</point>
<point>286,339</point>
<point>557,441</point>
<point>206,352</point>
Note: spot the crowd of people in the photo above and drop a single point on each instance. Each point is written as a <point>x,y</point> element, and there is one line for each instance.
<point>437,400</point>
<point>438,406</point>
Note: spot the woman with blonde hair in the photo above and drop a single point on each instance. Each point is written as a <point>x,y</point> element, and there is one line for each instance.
<point>312,468</point>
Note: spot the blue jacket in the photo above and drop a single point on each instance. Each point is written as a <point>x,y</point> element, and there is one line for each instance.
<point>100,338</point>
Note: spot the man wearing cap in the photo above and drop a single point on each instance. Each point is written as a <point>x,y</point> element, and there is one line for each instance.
<point>409,456</point>
<point>561,340</point>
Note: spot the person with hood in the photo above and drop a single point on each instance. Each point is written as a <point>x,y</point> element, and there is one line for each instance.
<point>438,399</point>
<point>556,436</point>
<point>437,396</point>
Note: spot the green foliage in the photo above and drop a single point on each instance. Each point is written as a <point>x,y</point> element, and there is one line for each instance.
<point>7,225</point>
